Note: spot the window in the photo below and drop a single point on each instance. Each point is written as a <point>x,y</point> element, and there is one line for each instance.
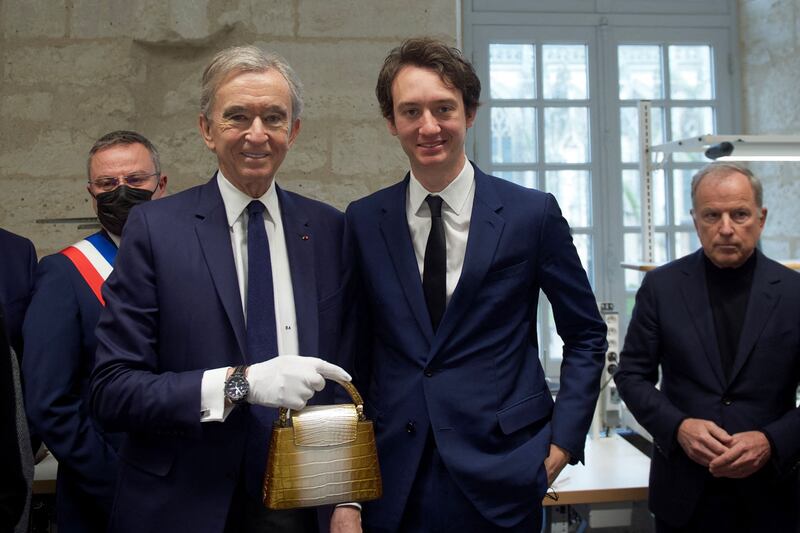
<point>559,113</point>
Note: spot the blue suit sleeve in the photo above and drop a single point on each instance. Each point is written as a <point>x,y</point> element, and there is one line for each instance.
<point>638,372</point>
<point>783,436</point>
<point>56,369</point>
<point>579,325</point>
<point>356,326</point>
<point>128,390</point>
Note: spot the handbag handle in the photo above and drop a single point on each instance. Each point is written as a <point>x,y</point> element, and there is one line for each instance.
<point>283,412</point>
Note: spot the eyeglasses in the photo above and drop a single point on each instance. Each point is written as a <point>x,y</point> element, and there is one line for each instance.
<point>109,183</point>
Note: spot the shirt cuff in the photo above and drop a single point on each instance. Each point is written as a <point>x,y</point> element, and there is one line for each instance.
<point>354,505</point>
<point>212,396</point>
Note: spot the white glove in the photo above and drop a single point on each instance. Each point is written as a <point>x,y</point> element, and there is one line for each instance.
<point>290,380</point>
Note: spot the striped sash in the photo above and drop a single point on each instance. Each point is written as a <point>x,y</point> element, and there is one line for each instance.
<point>94,259</point>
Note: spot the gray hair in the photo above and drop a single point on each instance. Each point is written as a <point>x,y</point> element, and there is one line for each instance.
<point>247,59</point>
<point>725,168</point>
<point>119,137</point>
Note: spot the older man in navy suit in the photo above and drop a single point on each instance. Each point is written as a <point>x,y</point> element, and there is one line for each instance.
<point>722,326</point>
<point>451,262</point>
<point>224,300</point>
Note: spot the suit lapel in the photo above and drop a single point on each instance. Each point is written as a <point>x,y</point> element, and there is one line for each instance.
<point>300,249</point>
<point>215,241</point>
<point>764,297</point>
<point>698,306</point>
<point>394,228</point>
<point>485,228</point>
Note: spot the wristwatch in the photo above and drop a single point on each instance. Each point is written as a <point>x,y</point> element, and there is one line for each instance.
<point>236,386</point>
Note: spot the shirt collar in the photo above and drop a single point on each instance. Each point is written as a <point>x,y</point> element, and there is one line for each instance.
<point>236,201</point>
<point>454,195</point>
<point>116,239</point>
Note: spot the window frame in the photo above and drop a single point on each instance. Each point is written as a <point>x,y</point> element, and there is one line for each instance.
<point>604,25</point>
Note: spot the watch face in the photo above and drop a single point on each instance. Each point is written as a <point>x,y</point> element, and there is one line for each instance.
<point>237,388</point>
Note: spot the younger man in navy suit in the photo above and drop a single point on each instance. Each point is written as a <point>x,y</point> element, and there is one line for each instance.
<point>124,170</point>
<point>451,262</point>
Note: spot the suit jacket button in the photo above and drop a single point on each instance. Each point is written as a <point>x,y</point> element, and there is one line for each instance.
<point>411,427</point>
<point>727,401</point>
<point>428,373</point>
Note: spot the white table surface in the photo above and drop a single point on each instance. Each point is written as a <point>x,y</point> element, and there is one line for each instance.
<point>615,471</point>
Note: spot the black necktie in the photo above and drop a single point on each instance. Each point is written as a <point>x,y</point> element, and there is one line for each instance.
<point>262,337</point>
<point>434,273</point>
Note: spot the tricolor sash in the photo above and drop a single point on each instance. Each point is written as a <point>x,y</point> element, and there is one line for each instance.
<point>94,259</point>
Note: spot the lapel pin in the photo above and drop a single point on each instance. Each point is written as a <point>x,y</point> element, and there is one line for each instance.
<point>304,237</point>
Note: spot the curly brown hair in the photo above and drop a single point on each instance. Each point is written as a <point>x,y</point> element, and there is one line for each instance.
<point>425,52</point>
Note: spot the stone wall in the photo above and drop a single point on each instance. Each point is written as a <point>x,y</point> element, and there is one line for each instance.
<point>770,60</point>
<point>73,70</point>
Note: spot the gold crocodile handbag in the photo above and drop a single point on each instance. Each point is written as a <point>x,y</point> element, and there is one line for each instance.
<point>326,456</point>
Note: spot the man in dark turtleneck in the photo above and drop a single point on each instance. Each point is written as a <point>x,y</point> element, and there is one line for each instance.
<point>728,291</point>
<point>723,326</point>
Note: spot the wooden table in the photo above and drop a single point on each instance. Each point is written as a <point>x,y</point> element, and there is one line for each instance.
<point>615,471</point>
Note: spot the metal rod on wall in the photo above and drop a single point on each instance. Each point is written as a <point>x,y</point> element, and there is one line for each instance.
<point>646,181</point>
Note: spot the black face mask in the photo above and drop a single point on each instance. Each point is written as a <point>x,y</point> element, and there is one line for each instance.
<point>113,206</point>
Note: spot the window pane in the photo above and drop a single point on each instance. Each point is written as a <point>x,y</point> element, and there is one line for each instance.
<point>566,132</point>
<point>554,345</point>
<point>526,178</point>
<point>691,122</point>
<point>630,301</point>
<point>512,70</point>
<point>690,72</point>
<point>583,244</point>
<point>686,242</point>
<point>633,254</point>
<point>629,131</point>
<point>660,253</point>
<point>682,196</point>
<point>571,189</point>
<point>640,72</point>
<point>631,198</point>
<point>564,71</point>
<point>513,135</point>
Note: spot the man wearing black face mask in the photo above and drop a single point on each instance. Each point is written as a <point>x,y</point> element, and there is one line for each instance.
<point>114,205</point>
<point>124,170</point>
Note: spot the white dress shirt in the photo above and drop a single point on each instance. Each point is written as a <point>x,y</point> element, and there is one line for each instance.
<point>457,199</point>
<point>212,402</point>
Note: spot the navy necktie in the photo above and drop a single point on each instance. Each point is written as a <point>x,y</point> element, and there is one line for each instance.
<point>262,341</point>
<point>434,272</point>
